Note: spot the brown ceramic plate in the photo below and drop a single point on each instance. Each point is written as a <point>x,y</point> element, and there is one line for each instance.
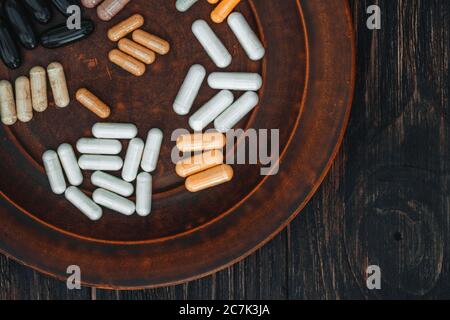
<point>308,87</point>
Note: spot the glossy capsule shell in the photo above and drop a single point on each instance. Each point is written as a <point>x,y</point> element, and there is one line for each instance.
<point>151,150</point>
<point>236,112</point>
<point>60,35</point>
<point>9,51</point>
<point>54,172</point>
<point>211,43</point>
<point>63,5</point>
<point>93,103</point>
<point>99,146</point>
<point>23,99</point>
<point>90,3</point>
<point>144,194</point>
<point>57,79</point>
<point>189,89</point>
<point>111,183</point>
<point>209,178</point>
<point>151,42</point>
<point>211,110</point>
<point>100,162</point>
<point>213,1</point>
<point>83,203</point>
<point>223,9</point>
<point>70,164</point>
<point>199,162</point>
<point>125,27</point>
<point>132,159</point>
<point>114,202</point>
<point>246,36</point>
<point>126,62</point>
<point>201,141</point>
<point>7,103</point>
<point>184,5</point>
<point>239,81</point>
<point>108,9</point>
<point>137,51</point>
<point>107,130</point>
<point>38,82</point>
<point>20,23</point>
<point>40,9</point>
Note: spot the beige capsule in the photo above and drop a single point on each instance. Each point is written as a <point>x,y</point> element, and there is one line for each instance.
<point>110,8</point>
<point>127,62</point>
<point>198,163</point>
<point>93,103</point>
<point>209,178</point>
<point>137,51</point>
<point>58,84</point>
<point>90,3</point>
<point>7,103</point>
<point>38,81</point>
<point>201,141</point>
<point>125,27</point>
<point>23,99</point>
<point>151,41</point>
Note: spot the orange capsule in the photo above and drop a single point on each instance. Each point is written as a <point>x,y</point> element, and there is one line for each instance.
<point>126,62</point>
<point>201,142</point>
<point>209,178</point>
<point>213,1</point>
<point>137,51</point>
<point>199,163</point>
<point>151,41</point>
<point>125,27</point>
<point>109,8</point>
<point>93,103</point>
<point>223,9</point>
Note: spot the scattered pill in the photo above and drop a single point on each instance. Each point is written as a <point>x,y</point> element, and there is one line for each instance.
<point>61,35</point>
<point>93,103</point>
<point>111,183</point>
<point>152,149</point>
<point>100,162</point>
<point>125,27</point>
<point>9,51</point>
<point>90,3</point>
<point>114,202</point>
<point>132,159</point>
<point>58,84</point>
<point>211,110</point>
<point>238,110</point>
<point>209,178</point>
<point>63,5</point>
<point>144,194</point>
<point>198,163</point>
<point>223,9</point>
<point>20,23</point>
<point>127,62</point>
<point>201,141</point>
<point>240,81</point>
<point>211,43</point>
<point>83,203</point>
<point>189,89</point>
<point>23,99</point>
<point>99,146</point>
<point>137,51</point>
<point>151,41</point>
<point>7,103</point>
<point>107,130</point>
<point>40,9</point>
<point>38,81</point>
<point>108,9</point>
<point>54,172</point>
<point>184,5</point>
<point>246,36</point>
<point>70,164</point>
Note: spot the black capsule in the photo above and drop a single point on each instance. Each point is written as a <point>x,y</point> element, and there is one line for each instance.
<point>62,5</point>
<point>9,51</point>
<point>20,23</point>
<point>40,9</point>
<point>60,35</point>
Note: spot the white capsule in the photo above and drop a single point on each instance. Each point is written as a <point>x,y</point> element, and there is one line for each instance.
<point>211,110</point>
<point>114,202</point>
<point>184,5</point>
<point>211,43</point>
<point>241,81</point>
<point>144,194</point>
<point>112,183</point>
<point>246,36</point>
<point>98,162</point>
<point>114,130</point>
<point>98,146</point>
<point>132,159</point>
<point>152,149</point>
<point>54,172</point>
<point>70,164</point>
<point>83,203</point>
<point>189,90</point>
<point>238,110</point>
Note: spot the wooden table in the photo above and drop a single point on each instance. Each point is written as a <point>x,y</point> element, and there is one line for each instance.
<point>385,201</point>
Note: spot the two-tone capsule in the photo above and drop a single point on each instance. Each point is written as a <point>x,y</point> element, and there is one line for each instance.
<point>70,164</point>
<point>100,162</point>
<point>93,103</point>
<point>132,159</point>
<point>111,183</point>
<point>152,149</point>
<point>144,194</point>
<point>105,130</point>
<point>236,112</point>
<point>7,103</point>
<point>99,146</point>
<point>189,89</point>
<point>246,36</point>
<point>58,84</point>
<point>211,110</point>
<point>201,141</point>
<point>83,203</point>
<point>54,172</point>
<point>239,81</point>
<point>114,202</point>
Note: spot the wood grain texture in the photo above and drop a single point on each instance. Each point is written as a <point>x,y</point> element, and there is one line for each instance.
<point>385,201</point>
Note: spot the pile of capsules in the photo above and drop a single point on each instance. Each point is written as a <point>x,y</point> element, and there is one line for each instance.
<point>100,154</point>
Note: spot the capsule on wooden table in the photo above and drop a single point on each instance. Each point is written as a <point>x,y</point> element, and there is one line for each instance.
<point>189,90</point>
<point>54,172</point>
<point>198,163</point>
<point>184,5</point>
<point>60,35</point>
<point>209,178</point>
<point>223,9</point>
<point>9,51</point>
<point>83,203</point>
<point>70,164</point>
<point>151,150</point>
<point>20,23</point>
<point>236,112</point>
<point>7,103</point>
<point>114,202</point>
<point>144,194</point>
<point>125,27</point>
<point>126,62</point>
<point>90,3</point>
<point>211,43</point>
<point>151,42</point>
<point>201,141</point>
<point>58,83</point>
<point>108,9</point>
<point>40,10</point>
<point>100,162</point>
<point>111,183</point>
<point>246,36</point>
<point>239,81</point>
<point>211,110</point>
<point>137,51</point>
<point>92,103</point>
<point>63,5</point>
<point>23,99</point>
<point>132,159</point>
<point>38,80</point>
<point>99,146</point>
<point>107,130</point>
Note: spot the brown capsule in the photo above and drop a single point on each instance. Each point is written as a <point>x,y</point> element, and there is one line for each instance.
<point>23,99</point>
<point>137,51</point>
<point>201,141</point>
<point>127,62</point>
<point>90,3</point>
<point>209,178</point>
<point>38,80</point>
<point>93,103</point>
<point>7,103</point>
<point>199,163</point>
<point>58,84</point>
<point>151,41</point>
<point>109,8</point>
<point>125,27</point>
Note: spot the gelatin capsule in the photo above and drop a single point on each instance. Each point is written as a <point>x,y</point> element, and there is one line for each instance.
<point>20,23</point>
<point>108,9</point>
<point>93,103</point>
<point>151,41</point>
<point>114,202</point>
<point>127,62</point>
<point>7,103</point>
<point>144,194</point>
<point>239,81</point>
<point>83,203</point>
<point>99,146</point>
<point>223,9</point>
<point>107,130</point>
<point>201,141</point>
<point>100,162</point>
<point>198,163</point>
<point>9,51</point>
<point>125,27</point>
<point>23,99</point>
<point>90,3</point>
<point>60,35</point>
<point>189,89</point>
<point>54,172</point>
<point>237,111</point>
<point>152,149</point>
<point>211,43</point>
<point>209,178</point>
<point>63,5</point>
<point>246,36</point>
<point>211,110</point>
<point>184,5</point>
<point>132,159</point>
<point>137,51</point>
<point>213,1</point>
<point>38,81</point>
<point>58,84</point>
<point>111,183</point>
<point>40,10</point>
<point>70,164</point>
